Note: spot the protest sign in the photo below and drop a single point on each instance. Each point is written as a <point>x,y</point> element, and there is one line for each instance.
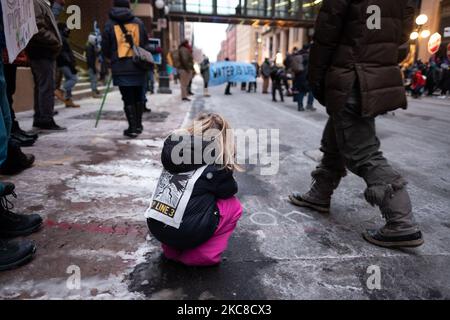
<point>227,71</point>
<point>19,24</point>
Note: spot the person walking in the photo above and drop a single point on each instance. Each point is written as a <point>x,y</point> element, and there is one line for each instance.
<point>186,65</point>
<point>277,75</point>
<point>253,86</point>
<point>205,70</point>
<point>266,70</point>
<point>92,50</point>
<point>300,62</point>
<point>66,63</point>
<point>42,50</point>
<point>129,77</point>
<point>360,86</point>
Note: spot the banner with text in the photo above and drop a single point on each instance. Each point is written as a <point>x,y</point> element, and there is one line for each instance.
<point>19,22</point>
<point>227,71</point>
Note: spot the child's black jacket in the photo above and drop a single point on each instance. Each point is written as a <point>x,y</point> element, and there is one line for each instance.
<point>201,216</point>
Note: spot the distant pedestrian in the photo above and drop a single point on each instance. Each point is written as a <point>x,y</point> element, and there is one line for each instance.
<point>93,49</point>
<point>205,71</point>
<point>445,81</point>
<point>418,84</point>
<point>253,86</point>
<point>212,211</point>
<point>278,76</point>
<point>299,66</point>
<point>129,77</point>
<point>66,63</point>
<point>229,84</point>
<point>185,65</point>
<point>266,70</point>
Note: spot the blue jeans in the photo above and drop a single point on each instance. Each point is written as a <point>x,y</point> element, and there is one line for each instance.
<point>93,79</point>
<point>70,81</point>
<point>302,95</point>
<point>5,120</point>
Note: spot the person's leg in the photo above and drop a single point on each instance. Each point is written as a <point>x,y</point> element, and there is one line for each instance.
<point>34,72</point>
<point>274,92</point>
<point>93,79</point>
<point>46,88</point>
<point>386,188</point>
<point>326,177</point>
<point>228,88</point>
<point>310,105</point>
<point>210,252</point>
<point>11,79</point>
<point>130,110</point>
<point>5,119</point>
<point>280,89</point>
<point>184,81</point>
<point>70,80</point>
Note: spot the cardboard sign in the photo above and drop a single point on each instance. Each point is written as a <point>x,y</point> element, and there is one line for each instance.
<point>19,22</point>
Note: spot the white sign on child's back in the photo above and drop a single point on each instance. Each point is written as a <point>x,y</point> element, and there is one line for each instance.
<point>19,21</point>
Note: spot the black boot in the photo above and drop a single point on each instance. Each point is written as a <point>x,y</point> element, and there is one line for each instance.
<point>130,112</point>
<point>140,106</point>
<point>22,140</point>
<point>16,129</point>
<point>16,225</point>
<point>16,161</point>
<point>319,196</point>
<point>14,254</point>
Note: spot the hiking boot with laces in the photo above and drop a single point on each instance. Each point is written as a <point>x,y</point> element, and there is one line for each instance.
<point>16,225</point>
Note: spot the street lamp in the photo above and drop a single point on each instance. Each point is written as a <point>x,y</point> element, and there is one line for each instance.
<point>159,4</point>
<point>420,32</point>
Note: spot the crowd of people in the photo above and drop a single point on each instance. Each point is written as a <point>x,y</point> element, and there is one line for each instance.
<point>430,79</point>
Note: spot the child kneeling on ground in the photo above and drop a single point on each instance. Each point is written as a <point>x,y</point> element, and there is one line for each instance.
<point>194,210</point>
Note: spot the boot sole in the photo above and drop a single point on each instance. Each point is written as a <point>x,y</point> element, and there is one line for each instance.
<point>399,244</point>
<point>21,233</point>
<point>304,204</point>
<point>20,262</point>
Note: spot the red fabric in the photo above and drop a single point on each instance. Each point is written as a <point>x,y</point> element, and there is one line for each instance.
<point>418,80</point>
<point>21,60</point>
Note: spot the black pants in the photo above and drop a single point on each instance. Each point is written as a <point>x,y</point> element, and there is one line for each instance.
<point>11,77</point>
<point>228,88</point>
<point>252,86</point>
<point>276,86</point>
<point>132,95</point>
<point>44,90</point>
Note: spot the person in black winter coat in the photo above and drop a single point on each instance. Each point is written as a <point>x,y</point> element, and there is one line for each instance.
<point>126,74</point>
<point>278,76</point>
<point>212,211</point>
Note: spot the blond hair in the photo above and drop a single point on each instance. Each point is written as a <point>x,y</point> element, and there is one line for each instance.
<point>216,128</point>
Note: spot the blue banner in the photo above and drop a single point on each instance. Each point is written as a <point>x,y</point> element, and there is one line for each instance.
<point>228,71</point>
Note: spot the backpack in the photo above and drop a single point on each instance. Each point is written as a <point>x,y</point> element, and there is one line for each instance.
<point>176,59</point>
<point>297,64</point>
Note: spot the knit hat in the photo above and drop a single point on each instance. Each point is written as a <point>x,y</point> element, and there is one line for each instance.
<point>122,3</point>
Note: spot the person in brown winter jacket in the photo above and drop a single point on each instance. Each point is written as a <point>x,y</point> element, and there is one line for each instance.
<point>354,73</point>
<point>43,50</point>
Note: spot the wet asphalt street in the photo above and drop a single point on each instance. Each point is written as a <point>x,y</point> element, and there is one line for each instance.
<point>92,187</point>
<point>283,252</point>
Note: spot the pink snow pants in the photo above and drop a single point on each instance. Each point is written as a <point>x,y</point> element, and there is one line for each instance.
<point>210,252</point>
